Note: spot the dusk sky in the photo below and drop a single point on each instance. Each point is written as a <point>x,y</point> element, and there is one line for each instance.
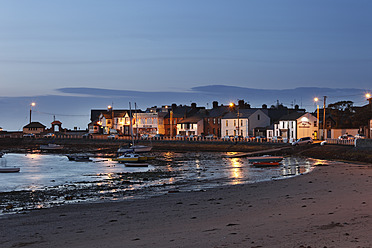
<point>176,45</point>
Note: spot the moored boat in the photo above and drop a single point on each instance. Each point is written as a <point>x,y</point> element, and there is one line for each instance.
<point>135,148</point>
<point>265,159</point>
<point>51,146</point>
<point>136,164</point>
<point>79,157</point>
<point>9,169</point>
<point>127,157</point>
<point>265,164</point>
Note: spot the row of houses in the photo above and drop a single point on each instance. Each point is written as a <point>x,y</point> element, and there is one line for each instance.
<point>221,120</point>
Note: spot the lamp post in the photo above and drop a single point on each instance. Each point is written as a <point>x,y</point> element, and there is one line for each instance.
<point>232,105</point>
<point>369,98</point>
<point>316,99</point>
<point>31,105</point>
<point>324,116</point>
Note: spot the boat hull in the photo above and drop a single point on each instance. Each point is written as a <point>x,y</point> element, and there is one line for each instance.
<point>136,164</point>
<point>266,164</point>
<point>9,170</point>
<point>265,159</point>
<point>123,160</point>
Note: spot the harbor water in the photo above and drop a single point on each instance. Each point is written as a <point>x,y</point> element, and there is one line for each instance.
<point>49,179</point>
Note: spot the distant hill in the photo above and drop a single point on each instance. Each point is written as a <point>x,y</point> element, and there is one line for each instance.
<point>73,110</point>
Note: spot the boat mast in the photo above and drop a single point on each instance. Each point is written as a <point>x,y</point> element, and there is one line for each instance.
<point>131,125</point>
<point>135,108</point>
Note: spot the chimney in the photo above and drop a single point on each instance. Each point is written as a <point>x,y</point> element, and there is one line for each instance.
<point>193,105</point>
<point>215,104</point>
<point>241,104</point>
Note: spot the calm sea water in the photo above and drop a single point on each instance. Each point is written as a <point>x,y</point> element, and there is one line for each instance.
<point>192,170</point>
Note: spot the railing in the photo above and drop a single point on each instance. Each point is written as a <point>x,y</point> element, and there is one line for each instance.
<point>128,138</point>
<point>349,142</point>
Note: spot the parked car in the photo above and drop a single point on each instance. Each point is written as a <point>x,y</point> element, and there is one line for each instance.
<point>158,135</point>
<point>211,136</point>
<point>277,138</point>
<point>303,141</point>
<point>113,136</point>
<point>145,136</point>
<point>227,137</point>
<point>260,137</point>
<point>360,136</point>
<point>87,136</point>
<point>49,135</point>
<point>179,136</point>
<point>29,135</point>
<point>346,137</point>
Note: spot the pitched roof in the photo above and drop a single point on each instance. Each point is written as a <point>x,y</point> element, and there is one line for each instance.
<point>292,116</point>
<point>192,119</point>
<point>34,125</point>
<point>243,113</point>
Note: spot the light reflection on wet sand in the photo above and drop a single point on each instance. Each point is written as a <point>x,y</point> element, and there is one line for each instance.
<point>191,171</point>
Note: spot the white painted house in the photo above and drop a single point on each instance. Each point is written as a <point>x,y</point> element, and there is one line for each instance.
<point>191,126</point>
<point>296,125</point>
<point>243,122</point>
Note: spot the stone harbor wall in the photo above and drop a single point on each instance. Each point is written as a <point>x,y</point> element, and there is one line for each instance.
<point>363,143</point>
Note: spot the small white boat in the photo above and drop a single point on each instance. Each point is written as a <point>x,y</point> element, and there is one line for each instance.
<point>9,169</point>
<point>79,157</point>
<point>127,157</point>
<point>51,147</point>
<point>135,148</point>
<point>141,148</point>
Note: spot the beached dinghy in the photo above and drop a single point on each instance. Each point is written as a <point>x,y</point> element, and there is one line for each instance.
<point>265,159</point>
<point>9,169</point>
<point>136,164</point>
<point>265,164</point>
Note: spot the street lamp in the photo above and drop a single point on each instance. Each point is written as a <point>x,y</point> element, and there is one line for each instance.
<point>31,105</point>
<point>232,105</point>
<point>316,99</point>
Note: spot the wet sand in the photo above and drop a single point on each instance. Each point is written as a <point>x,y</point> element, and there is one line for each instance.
<point>330,207</point>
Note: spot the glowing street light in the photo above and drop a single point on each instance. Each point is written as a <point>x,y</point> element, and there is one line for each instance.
<point>33,104</point>
<point>368,95</point>
<point>316,99</point>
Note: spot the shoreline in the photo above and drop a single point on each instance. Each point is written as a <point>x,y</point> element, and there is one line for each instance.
<point>329,207</point>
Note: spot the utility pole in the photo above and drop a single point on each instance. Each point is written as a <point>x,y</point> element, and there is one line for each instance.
<point>171,124</point>
<point>324,116</point>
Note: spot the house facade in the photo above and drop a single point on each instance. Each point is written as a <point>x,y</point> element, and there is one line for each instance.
<point>34,127</point>
<point>145,123</point>
<point>191,126</point>
<point>297,125</point>
<point>212,119</point>
<point>243,122</point>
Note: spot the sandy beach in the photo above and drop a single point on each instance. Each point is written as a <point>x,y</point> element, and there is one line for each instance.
<point>330,207</point>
